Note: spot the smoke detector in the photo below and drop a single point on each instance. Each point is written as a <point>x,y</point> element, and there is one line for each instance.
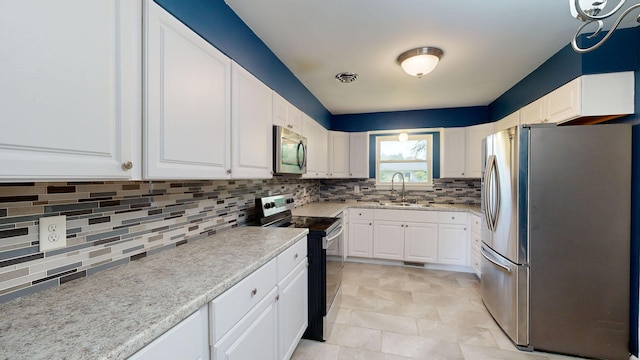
<point>346,77</point>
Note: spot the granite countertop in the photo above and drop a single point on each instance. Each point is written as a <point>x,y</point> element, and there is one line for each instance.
<point>116,312</point>
<point>333,209</point>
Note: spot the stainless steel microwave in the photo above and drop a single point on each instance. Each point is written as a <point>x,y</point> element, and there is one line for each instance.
<point>289,151</point>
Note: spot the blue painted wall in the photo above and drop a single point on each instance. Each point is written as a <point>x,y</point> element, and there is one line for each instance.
<point>220,26</point>
<point>416,119</point>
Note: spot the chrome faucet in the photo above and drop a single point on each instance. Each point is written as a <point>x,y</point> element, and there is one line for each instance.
<point>402,176</point>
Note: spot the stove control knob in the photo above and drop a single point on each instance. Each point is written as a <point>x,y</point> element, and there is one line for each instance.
<point>289,201</point>
<point>267,205</point>
<point>273,204</point>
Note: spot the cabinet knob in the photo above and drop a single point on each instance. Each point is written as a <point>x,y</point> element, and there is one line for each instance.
<point>369,224</point>
<point>127,165</point>
<point>277,297</point>
<point>254,292</point>
<point>295,256</point>
<point>228,171</point>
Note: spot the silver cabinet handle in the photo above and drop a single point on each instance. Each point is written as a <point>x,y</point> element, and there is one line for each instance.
<point>495,262</point>
<point>127,165</point>
<point>254,292</point>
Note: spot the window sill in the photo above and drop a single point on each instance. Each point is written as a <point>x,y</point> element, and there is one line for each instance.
<point>408,187</point>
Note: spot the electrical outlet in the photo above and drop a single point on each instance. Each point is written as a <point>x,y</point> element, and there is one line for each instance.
<point>356,189</point>
<point>53,232</point>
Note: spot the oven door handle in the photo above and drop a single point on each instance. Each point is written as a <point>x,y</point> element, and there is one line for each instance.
<point>329,241</point>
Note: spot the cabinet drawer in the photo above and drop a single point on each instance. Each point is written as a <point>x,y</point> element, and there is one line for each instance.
<point>452,218</point>
<point>233,304</point>
<point>476,241</point>
<point>291,257</point>
<point>355,214</point>
<point>406,215</point>
<point>475,261</point>
<point>475,224</point>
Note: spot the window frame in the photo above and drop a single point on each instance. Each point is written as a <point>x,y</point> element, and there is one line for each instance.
<point>429,160</point>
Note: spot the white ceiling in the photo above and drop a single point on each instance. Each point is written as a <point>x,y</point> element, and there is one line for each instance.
<point>488,47</point>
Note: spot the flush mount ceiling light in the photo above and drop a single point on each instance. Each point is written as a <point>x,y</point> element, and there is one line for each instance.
<point>420,61</point>
<point>346,77</point>
<point>588,11</point>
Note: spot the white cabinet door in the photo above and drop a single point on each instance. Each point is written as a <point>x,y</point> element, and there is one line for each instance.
<point>452,153</point>
<point>473,148</point>
<point>251,126</point>
<point>360,238</point>
<point>189,340</point>
<point>338,154</point>
<point>187,102</point>
<point>316,148</point>
<point>255,336</point>
<point>452,244</point>
<point>285,114</point>
<point>508,121</point>
<point>71,89</point>
<point>421,242</point>
<point>388,240</point>
<point>292,310</point>
<point>564,102</point>
<point>359,155</point>
<point>534,113</point>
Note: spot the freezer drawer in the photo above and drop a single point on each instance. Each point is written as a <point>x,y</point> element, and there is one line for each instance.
<point>504,292</point>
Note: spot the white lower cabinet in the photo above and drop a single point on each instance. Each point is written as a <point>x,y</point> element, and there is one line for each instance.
<point>361,238</point>
<point>452,238</point>
<point>265,314</point>
<point>410,235</point>
<point>255,336</point>
<point>476,243</point>
<point>421,242</point>
<point>388,240</point>
<point>188,340</point>
<point>292,310</point>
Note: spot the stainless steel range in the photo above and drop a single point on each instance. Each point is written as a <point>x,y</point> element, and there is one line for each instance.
<point>325,267</point>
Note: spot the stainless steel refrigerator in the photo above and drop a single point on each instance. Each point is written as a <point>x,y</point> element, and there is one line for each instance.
<point>556,237</point>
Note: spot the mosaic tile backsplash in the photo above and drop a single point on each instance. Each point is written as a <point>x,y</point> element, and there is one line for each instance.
<point>111,223</point>
<point>445,191</point>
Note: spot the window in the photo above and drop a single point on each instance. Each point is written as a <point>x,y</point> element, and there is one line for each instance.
<point>412,158</point>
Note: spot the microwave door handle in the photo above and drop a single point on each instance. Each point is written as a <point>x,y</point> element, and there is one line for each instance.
<point>304,155</point>
<point>298,162</point>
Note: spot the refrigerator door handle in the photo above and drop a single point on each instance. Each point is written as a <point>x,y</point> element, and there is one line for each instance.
<point>487,196</point>
<point>496,175</point>
<point>484,255</point>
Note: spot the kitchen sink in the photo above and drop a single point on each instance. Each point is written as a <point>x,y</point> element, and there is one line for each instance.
<point>404,204</point>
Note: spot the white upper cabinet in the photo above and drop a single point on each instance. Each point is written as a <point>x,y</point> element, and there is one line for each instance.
<point>598,95</point>
<point>452,152</point>
<point>187,122</point>
<point>359,155</point>
<point>285,114</point>
<point>473,148</point>
<point>251,126</point>
<point>535,113</point>
<point>338,154</point>
<point>593,95</point>
<point>71,90</point>
<point>316,148</point>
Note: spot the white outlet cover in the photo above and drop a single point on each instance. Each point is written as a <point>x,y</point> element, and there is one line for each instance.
<point>60,226</point>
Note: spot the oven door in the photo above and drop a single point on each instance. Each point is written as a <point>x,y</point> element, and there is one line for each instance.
<point>332,251</point>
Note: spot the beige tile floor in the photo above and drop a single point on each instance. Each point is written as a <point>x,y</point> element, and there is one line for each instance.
<point>394,313</point>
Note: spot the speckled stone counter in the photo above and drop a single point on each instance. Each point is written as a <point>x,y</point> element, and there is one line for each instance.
<point>114,313</point>
<point>332,209</point>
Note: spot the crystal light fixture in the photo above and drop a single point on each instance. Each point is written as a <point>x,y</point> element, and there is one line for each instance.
<point>588,11</point>
<point>420,61</point>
